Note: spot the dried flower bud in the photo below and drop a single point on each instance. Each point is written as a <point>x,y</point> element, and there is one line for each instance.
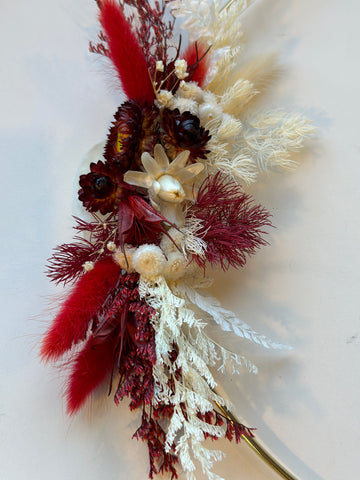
<point>149,260</point>
<point>111,246</point>
<point>180,69</point>
<point>159,66</point>
<point>164,98</point>
<point>88,266</point>
<point>175,266</point>
<point>170,190</point>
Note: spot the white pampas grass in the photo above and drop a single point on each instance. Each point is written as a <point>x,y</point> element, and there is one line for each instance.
<point>269,138</point>
<point>241,145</point>
<point>236,97</point>
<point>226,319</point>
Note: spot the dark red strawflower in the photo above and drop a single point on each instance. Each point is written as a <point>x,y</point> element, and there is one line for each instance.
<point>134,131</point>
<point>232,226</point>
<point>182,131</point>
<point>101,189</point>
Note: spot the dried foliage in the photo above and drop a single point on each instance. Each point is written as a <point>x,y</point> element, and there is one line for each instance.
<point>67,262</point>
<point>232,226</point>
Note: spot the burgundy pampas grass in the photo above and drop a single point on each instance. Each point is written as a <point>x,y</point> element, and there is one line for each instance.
<point>86,298</point>
<point>125,52</point>
<point>232,226</point>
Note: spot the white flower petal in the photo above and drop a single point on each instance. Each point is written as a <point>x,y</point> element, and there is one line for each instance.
<point>160,156</point>
<point>148,260</point>
<point>179,163</point>
<point>140,179</point>
<point>190,192</point>
<point>151,165</point>
<point>189,172</point>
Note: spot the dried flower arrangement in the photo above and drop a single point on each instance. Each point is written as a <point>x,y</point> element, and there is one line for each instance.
<point>167,201</point>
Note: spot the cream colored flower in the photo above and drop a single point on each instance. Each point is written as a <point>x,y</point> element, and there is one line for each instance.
<point>149,260</point>
<point>185,105</point>
<point>169,184</point>
<point>159,66</point>
<point>175,266</point>
<point>88,266</point>
<point>173,242</point>
<point>180,69</point>
<point>124,259</point>
<point>164,98</point>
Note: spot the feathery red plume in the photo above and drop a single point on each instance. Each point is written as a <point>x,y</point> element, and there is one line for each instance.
<point>90,368</point>
<point>86,298</point>
<point>232,226</point>
<point>125,53</point>
<point>198,65</point>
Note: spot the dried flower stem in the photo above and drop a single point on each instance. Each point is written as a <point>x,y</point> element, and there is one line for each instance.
<point>259,449</point>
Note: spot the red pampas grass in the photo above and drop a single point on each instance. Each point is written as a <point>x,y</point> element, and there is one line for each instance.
<point>195,56</point>
<point>90,368</point>
<point>86,298</point>
<point>125,53</point>
<point>232,226</point>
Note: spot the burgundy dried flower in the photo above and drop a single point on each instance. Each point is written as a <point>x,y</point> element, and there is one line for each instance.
<point>102,188</point>
<point>139,222</point>
<point>134,131</point>
<point>182,131</point>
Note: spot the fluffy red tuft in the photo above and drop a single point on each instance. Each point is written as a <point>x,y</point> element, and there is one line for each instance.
<point>86,298</point>
<point>125,53</point>
<point>91,366</point>
<point>198,65</point>
<point>232,226</point>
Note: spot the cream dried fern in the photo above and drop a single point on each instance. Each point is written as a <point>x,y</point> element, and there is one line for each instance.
<point>176,323</point>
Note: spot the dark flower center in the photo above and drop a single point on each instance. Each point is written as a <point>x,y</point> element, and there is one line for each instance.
<point>189,131</point>
<point>103,186</point>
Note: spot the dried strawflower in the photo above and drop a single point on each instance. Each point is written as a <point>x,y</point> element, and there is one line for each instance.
<point>169,184</point>
<point>123,257</point>
<point>175,266</point>
<point>134,131</point>
<point>102,188</point>
<point>149,260</point>
<point>182,131</point>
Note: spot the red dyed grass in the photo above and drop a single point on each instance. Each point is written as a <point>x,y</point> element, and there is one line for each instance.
<point>125,52</point>
<point>87,296</point>
<point>232,226</point>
